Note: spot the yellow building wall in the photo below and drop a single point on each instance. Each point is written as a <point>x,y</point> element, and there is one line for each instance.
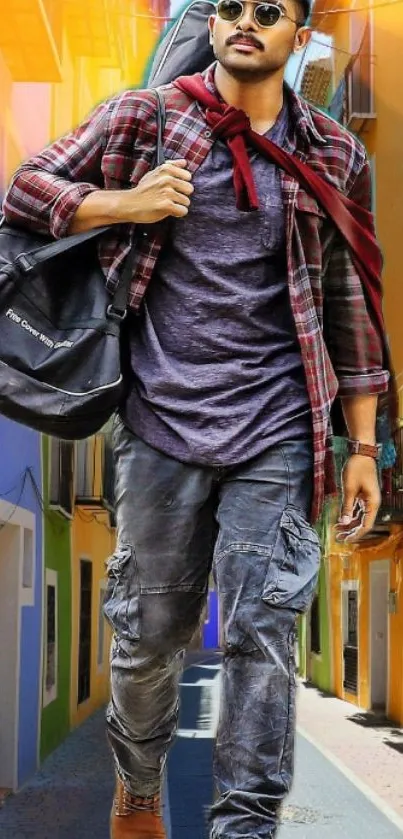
<point>92,539</point>
<point>354,563</point>
<point>382,138</point>
<point>81,52</point>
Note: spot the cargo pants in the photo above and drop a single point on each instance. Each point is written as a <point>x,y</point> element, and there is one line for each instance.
<point>175,522</point>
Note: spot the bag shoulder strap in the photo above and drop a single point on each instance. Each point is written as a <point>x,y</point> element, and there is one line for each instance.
<point>118,307</point>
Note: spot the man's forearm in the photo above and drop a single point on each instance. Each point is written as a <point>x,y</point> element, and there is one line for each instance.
<point>360,416</point>
<point>103,207</point>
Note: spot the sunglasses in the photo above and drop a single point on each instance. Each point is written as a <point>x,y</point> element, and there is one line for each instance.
<point>265,14</point>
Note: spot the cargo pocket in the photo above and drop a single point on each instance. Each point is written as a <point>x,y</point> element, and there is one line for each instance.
<point>122,596</point>
<point>293,569</point>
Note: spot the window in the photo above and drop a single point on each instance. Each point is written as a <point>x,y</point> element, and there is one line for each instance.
<point>85,470</point>
<point>359,73</point>
<point>101,628</point>
<point>350,636</point>
<point>51,646</point>
<point>61,475</point>
<point>315,626</point>
<point>84,651</point>
<point>28,559</point>
<point>27,553</point>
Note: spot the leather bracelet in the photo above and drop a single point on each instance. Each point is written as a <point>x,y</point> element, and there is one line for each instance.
<point>364,449</point>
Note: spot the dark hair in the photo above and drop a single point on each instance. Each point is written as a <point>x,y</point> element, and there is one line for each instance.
<point>305,7</point>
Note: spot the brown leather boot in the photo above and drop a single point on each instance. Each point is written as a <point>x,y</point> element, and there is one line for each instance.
<point>136,818</point>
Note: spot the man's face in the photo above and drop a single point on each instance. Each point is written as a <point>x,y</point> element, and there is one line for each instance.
<point>250,52</point>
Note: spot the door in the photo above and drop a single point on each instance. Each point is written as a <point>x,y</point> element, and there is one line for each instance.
<point>379,634</point>
<point>9,652</point>
<point>350,637</point>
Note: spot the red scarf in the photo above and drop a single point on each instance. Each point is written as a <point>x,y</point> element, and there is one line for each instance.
<point>353,221</point>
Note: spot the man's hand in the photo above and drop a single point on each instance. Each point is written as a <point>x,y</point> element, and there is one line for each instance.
<point>360,486</point>
<point>162,192</point>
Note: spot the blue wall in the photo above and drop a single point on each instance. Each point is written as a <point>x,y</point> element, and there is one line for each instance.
<point>211,628</point>
<point>21,449</point>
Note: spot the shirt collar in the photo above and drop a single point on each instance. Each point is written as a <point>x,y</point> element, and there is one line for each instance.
<point>300,113</point>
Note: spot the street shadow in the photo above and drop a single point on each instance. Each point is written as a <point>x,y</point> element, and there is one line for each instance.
<point>322,693</point>
<point>369,719</point>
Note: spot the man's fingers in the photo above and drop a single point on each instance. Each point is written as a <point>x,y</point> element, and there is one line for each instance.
<point>177,169</point>
<point>347,508</point>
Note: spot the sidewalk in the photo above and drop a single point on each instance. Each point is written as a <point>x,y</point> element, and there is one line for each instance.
<point>70,797</point>
<point>369,746</point>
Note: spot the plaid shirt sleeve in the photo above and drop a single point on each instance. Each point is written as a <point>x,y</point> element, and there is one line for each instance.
<point>351,338</point>
<point>47,190</point>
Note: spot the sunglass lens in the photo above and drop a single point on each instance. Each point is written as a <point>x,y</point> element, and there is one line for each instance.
<point>267,14</point>
<point>229,10</point>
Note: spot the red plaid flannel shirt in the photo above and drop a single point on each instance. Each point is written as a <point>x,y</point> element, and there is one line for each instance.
<point>115,147</point>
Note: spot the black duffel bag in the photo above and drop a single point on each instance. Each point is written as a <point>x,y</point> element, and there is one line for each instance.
<point>60,329</point>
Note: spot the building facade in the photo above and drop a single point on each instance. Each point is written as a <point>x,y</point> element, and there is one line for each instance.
<point>58,59</point>
<point>21,595</point>
<point>357,620</point>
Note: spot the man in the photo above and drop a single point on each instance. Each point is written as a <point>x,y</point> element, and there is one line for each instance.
<point>250,324</point>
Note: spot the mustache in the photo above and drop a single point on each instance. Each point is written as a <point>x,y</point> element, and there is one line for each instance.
<point>240,37</point>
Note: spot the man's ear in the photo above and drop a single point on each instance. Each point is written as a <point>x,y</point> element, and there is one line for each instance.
<point>302,38</point>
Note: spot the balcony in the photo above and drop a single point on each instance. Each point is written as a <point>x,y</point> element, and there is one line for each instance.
<point>337,104</point>
<point>94,473</point>
<point>359,81</point>
<point>86,492</point>
<point>61,476</point>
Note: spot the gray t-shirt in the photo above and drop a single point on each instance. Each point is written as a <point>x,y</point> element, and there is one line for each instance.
<point>217,374</point>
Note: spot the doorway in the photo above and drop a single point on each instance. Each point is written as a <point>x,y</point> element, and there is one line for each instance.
<point>10,538</point>
<point>84,650</point>
<point>378,629</point>
<point>350,617</point>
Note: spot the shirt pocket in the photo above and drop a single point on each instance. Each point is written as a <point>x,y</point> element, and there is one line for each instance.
<point>306,204</point>
<point>273,227</point>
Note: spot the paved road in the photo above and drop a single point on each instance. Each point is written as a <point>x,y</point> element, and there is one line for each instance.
<point>70,797</point>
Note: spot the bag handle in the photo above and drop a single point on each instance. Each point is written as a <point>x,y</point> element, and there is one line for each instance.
<point>117,309</point>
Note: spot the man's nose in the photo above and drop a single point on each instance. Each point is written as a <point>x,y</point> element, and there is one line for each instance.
<point>247,21</point>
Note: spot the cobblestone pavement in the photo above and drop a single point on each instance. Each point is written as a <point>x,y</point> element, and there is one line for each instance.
<point>70,797</point>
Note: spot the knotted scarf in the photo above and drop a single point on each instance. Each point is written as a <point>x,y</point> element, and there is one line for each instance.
<point>354,222</point>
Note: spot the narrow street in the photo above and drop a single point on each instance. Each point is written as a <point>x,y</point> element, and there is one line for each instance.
<point>70,797</point>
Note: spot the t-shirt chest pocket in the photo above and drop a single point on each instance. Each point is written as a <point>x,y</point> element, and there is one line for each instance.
<point>273,225</point>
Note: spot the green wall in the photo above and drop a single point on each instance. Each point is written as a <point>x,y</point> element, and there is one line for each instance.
<point>57,556</point>
<point>320,666</point>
